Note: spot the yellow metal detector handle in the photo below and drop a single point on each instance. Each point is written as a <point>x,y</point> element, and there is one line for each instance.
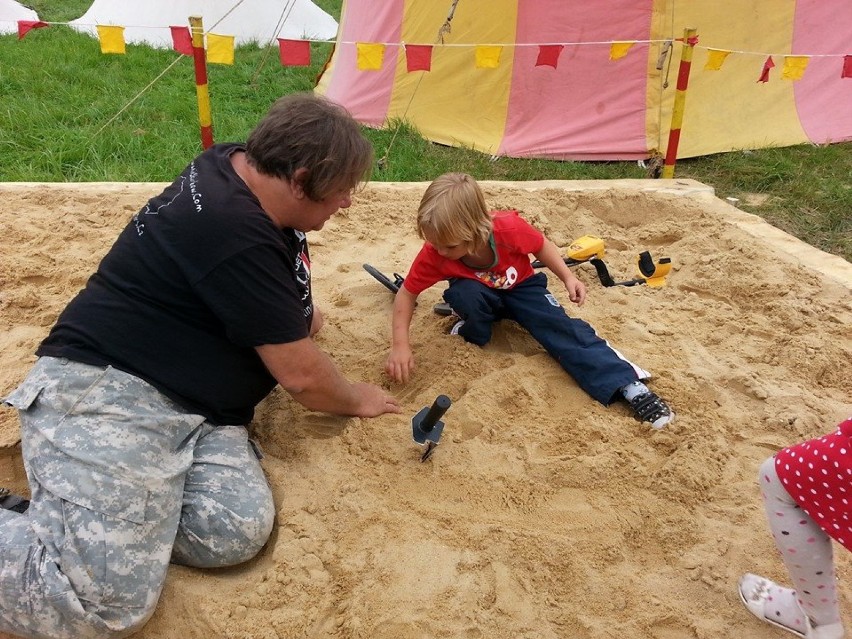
<point>585,248</point>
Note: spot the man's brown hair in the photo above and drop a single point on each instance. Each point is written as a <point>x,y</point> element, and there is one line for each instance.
<point>304,130</point>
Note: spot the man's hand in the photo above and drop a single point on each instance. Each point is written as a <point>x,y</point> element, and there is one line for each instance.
<point>375,401</point>
<point>313,380</point>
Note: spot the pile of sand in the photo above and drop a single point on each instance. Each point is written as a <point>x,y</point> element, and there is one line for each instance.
<point>541,513</point>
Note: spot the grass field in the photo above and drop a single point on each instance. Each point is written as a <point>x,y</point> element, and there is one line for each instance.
<point>70,113</point>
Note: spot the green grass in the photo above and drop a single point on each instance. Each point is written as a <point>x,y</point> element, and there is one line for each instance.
<point>59,94</point>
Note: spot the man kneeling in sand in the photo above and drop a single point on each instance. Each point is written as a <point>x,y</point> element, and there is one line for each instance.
<point>133,418</point>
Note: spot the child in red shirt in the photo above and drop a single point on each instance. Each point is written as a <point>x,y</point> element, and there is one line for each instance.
<point>486,258</point>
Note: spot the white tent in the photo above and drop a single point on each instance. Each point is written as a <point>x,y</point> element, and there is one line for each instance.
<point>260,21</point>
<point>11,12</point>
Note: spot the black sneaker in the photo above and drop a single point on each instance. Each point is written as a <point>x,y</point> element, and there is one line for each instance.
<point>8,501</point>
<point>650,408</point>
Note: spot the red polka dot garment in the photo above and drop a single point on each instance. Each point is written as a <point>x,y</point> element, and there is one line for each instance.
<point>818,475</point>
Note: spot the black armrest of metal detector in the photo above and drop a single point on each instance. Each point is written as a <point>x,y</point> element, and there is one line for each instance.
<point>394,285</point>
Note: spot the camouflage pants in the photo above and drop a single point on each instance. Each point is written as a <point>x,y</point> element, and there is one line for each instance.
<point>123,481</point>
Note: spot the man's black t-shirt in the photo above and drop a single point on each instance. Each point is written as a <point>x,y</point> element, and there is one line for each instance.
<point>198,278</point>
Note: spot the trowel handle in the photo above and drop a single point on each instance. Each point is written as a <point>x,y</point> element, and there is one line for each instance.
<point>436,411</point>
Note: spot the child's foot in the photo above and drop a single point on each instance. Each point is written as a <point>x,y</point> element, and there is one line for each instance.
<point>8,501</point>
<point>456,327</point>
<point>778,606</point>
<point>650,408</point>
<point>647,405</point>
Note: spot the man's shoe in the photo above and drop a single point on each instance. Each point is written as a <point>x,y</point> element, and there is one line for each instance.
<point>8,501</point>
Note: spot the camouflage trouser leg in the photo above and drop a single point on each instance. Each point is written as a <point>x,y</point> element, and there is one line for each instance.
<point>107,457</point>
<point>227,504</point>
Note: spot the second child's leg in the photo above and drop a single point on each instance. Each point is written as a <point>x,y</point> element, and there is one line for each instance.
<point>808,556</point>
<point>599,369</point>
<point>478,305</point>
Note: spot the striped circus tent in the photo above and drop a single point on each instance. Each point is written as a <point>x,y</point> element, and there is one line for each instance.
<point>595,80</point>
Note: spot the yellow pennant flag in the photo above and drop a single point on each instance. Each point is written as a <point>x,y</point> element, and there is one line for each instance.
<point>715,59</point>
<point>370,56</point>
<point>618,50</point>
<point>794,67</point>
<point>112,39</point>
<point>488,57</point>
<point>220,49</point>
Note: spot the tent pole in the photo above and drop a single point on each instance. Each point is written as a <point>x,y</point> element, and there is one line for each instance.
<point>689,41</point>
<point>203,96</point>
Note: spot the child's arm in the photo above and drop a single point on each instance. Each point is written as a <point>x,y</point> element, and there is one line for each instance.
<point>549,256</point>
<point>400,362</point>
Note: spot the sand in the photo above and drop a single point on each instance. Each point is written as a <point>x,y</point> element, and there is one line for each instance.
<point>541,513</point>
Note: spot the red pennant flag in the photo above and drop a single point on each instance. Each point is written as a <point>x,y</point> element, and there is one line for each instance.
<point>24,26</point>
<point>548,55</point>
<point>294,53</point>
<point>418,57</point>
<point>181,40</point>
<point>764,75</point>
<point>847,67</point>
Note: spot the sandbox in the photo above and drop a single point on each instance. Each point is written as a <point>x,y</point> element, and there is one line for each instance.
<point>541,513</point>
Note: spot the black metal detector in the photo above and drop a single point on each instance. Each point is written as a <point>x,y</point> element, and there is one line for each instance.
<point>588,248</point>
<point>651,273</point>
<point>394,285</point>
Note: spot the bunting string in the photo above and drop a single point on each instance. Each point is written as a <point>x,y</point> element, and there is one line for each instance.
<point>371,55</point>
<point>442,31</point>
<point>289,6</point>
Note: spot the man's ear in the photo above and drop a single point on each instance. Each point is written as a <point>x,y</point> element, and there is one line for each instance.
<point>297,182</point>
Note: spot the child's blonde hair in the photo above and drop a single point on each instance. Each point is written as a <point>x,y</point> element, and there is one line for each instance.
<point>453,211</point>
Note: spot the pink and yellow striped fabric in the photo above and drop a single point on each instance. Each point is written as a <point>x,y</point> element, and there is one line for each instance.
<point>588,105</point>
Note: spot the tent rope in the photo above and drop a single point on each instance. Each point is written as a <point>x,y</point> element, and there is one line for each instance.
<point>227,13</point>
<point>282,19</point>
<point>442,31</point>
<point>164,71</point>
<point>138,95</point>
<point>447,26</point>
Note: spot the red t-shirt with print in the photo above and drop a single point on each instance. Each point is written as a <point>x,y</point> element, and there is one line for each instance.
<point>514,239</point>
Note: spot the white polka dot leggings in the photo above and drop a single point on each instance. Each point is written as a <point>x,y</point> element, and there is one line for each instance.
<point>805,549</point>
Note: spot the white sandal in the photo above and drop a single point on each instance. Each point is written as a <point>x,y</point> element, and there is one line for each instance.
<point>754,593</point>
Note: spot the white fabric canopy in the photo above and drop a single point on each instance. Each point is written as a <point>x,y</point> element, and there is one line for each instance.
<point>11,12</point>
<point>259,21</point>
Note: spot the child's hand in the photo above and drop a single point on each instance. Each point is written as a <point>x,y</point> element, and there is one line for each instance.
<point>576,290</point>
<point>400,364</point>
